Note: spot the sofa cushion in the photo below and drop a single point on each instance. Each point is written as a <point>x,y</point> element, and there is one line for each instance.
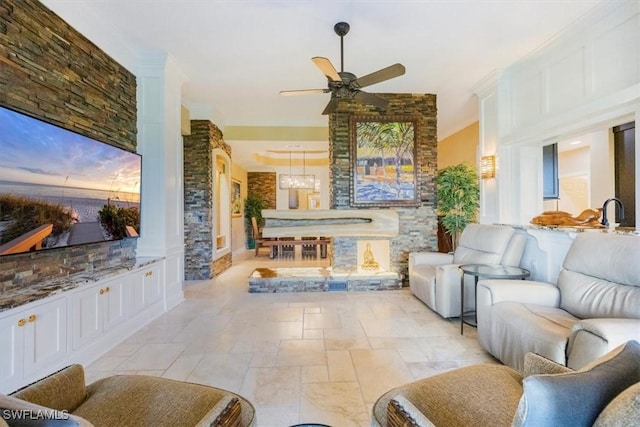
<point>482,244</point>
<point>27,410</point>
<point>601,276</point>
<point>489,393</point>
<point>611,257</point>
<point>63,390</point>
<point>588,297</point>
<point>577,398</point>
<point>138,400</point>
<point>624,410</point>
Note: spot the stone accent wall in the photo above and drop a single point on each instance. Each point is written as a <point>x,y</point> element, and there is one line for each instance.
<point>418,225</point>
<point>50,71</point>
<point>199,199</point>
<point>264,184</point>
<point>221,264</point>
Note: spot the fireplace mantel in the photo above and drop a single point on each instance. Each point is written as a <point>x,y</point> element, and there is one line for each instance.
<point>331,223</point>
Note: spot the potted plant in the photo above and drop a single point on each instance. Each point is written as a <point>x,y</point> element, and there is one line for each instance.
<point>253,206</point>
<point>458,195</point>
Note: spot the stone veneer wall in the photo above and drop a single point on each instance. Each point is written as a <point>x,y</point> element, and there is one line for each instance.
<point>418,225</point>
<point>50,71</point>
<point>199,199</point>
<point>263,184</point>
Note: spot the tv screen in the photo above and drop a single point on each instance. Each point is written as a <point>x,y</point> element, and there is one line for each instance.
<point>59,188</point>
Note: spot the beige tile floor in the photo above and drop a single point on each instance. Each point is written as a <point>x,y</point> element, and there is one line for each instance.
<point>298,357</point>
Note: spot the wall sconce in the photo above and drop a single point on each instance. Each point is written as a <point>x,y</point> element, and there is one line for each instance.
<point>488,167</point>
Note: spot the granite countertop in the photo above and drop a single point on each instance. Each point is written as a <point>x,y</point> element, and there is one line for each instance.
<point>24,295</point>
<point>576,229</point>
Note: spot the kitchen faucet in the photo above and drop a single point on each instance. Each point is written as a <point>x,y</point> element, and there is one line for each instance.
<point>605,221</point>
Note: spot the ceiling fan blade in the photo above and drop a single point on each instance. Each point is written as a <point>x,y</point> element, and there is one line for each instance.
<point>387,73</point>
<point>369,98</point>
<point>331,106</point>
<point>302,92</point>
<point>327,68</point>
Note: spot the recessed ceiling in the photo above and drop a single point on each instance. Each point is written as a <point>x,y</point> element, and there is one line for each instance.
<point>238,55</point>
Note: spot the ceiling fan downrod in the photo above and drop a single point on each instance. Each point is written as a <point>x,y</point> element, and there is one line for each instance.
<point>341,29</point>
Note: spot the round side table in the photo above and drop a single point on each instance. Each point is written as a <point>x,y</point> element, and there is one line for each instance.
<point>484,271</point>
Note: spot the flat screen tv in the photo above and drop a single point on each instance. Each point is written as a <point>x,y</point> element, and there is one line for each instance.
<point>59,188</point>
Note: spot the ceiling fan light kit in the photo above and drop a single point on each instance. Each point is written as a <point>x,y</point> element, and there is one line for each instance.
<point>343,85</point>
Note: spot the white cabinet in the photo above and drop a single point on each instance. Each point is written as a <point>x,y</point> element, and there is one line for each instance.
<point>96,316</point>
<point>97,309</point>
<point>31,340</point>
<point>147,287</point>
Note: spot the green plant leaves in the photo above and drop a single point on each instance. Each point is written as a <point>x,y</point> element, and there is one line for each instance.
<point>458,194</point>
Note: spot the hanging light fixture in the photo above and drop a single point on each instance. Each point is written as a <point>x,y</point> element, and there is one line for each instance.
<point>303,181</point>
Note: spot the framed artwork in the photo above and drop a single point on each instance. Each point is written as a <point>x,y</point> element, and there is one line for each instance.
<point>313,201</point>
<point>236,199</point>
<point>383,154</point>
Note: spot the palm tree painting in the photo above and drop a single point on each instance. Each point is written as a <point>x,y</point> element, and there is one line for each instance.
<point>384,162</point>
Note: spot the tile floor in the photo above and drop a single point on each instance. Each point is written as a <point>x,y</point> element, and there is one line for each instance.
<point>298,357</point>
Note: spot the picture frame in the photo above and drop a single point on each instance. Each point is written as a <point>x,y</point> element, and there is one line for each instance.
<point>313,201</point>
<point>383,160</point>
<point>236,199</point>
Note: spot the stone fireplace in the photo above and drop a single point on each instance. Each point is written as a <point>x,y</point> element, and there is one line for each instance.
<point>416,225</point>
<point>360,253</point>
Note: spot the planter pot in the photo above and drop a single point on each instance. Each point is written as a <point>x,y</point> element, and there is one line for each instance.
<point>251,243</point>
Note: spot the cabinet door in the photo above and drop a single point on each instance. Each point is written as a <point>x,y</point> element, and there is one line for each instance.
<point>115,303</point>
<point>45,335</point>
<point>87,315</point>
<point>147,287</point>
<point>12,330</point>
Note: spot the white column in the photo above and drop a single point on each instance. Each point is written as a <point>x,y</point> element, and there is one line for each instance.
<point>160,144</point>
<point>488,146</point>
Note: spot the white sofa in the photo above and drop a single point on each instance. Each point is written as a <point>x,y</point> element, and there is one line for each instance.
<point>434,277</point>
<point>594,307</point>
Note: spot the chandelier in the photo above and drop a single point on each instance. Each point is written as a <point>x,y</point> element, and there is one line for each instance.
<point>290,181</point>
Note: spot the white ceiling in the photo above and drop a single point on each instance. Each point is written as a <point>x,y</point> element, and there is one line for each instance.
<point>237,55</point>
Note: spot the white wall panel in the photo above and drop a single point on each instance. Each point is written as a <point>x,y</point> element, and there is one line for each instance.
<point>586,79</point>
<point>616,57</point>
<point>527,94</point>
<point>566,81</point>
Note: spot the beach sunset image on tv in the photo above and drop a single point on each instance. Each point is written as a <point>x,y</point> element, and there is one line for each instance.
<point>59,188</point>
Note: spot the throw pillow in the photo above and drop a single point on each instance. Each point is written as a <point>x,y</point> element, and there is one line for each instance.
<point>534,364</point>
<point>576,399</point>
<point>624,410</point>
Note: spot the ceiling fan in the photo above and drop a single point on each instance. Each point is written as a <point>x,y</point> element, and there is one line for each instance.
<point>346,85</point>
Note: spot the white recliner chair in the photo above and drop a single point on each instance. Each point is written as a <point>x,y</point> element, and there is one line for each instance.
<point>594,307</point>
<point>434,277</point>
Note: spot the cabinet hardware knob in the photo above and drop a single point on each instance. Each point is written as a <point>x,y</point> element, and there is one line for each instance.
<point>107,289</point>
<point>22,322</point>
<point>32,318</point>
<point>149,273</point>
<point>101,291</point>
